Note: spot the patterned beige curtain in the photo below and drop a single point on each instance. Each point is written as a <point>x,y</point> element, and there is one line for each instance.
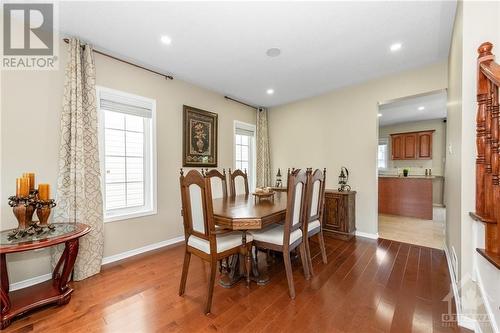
<point>263,153</point>
<point>79,195</point>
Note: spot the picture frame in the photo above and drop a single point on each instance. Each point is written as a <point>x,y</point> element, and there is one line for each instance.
<point>199,138</point>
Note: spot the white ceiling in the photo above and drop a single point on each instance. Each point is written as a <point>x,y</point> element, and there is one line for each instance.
<point>222,45</point>
<point>406,109</point>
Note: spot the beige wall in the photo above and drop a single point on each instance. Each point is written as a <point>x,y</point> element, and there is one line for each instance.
<point>438,145</point>
<point>341,129</point>
<point>31,103</point>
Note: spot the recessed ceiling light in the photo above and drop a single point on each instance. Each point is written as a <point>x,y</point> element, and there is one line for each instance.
<point>166,40</point>
<point>421,108</point>
<point>379,115</point>
<point>273,52</point>
<point>396,47</point>
<point>270,91</point>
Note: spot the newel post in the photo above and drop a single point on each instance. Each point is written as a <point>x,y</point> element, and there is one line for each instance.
<point>482,95</point>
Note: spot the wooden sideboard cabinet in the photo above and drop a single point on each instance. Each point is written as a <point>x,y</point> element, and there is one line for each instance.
<point>339,213</point>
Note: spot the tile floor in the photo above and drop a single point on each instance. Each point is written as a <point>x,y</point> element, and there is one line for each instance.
<point>428,233</point>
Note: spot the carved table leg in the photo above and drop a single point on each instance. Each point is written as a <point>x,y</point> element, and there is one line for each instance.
<point>57,270</point>
<point>232,276</point>
<point>4,293</point>
<point>261,278</point>
<point>248,257</point>
<point>71,251</point>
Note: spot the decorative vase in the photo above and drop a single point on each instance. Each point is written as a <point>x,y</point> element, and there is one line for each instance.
<point>24,214</point>
<point>43,214</point>
<point>43,209</point>
<point>200,144</point>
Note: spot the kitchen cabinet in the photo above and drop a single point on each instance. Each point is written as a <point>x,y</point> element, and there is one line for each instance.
<point>397,147</point>
<point>412,146</point>
<point>405,196</point>
<point>424,144</point>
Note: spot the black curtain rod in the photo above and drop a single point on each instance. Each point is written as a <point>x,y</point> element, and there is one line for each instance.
<point>169,77</point>
<point>235,100</point>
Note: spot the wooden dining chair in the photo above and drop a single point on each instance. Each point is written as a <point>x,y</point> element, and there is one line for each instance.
<point>218,182</point>
<point>288,236</point>
<point>314,204</point>
<point>233,177</point>
<point>201,237</point>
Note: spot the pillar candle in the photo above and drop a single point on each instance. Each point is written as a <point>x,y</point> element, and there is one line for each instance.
<point>18,187</point>
<point>25,187</point>
<point>31,177</point>
<point>44,191</point>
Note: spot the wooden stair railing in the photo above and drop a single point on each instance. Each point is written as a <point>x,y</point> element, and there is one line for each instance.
<point>488,152</point>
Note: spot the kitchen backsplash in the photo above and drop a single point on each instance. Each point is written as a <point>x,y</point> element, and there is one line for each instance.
<point>415,171</point>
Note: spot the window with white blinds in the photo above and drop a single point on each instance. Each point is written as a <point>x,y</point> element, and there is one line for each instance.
<point>244,150</point>
<point>383,152</point>
<point>127,154</point>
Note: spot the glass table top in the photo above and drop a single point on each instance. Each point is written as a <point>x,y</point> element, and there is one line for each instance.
<point>60,229</point>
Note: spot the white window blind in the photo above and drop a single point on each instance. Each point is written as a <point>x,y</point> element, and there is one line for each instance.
<point>382,157</point>
<point>127,154</point>
<point>245,150</point>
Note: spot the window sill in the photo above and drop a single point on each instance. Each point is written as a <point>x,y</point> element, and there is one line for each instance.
<point>128,216</point>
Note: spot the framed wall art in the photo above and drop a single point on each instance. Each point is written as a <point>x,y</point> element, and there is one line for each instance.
<point>199,138</point>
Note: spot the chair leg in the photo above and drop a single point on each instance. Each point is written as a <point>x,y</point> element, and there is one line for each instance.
<point>289,274</point>
<point>185,268</point>
<point>322,247</point>
<point>304,259</point>
<point>211,283</point>
<point>308,255</point>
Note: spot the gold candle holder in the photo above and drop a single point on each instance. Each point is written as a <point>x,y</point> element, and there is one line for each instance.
<point>43,209</point>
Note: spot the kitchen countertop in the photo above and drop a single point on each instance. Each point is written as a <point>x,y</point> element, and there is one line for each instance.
<point>410,176</point>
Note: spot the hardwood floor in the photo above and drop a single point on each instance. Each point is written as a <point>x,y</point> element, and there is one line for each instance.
<point>367,286</point>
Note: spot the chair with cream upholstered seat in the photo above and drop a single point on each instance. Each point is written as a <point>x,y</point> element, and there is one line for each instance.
<point>201,237</point>
<point>314,204</point>
<point>218,183</point>
<point>288,236</point>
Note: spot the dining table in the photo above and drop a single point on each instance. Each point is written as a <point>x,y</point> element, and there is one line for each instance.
<point>243,213</point>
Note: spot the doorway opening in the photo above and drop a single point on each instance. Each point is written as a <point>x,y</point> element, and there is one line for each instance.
<point>411,159</point>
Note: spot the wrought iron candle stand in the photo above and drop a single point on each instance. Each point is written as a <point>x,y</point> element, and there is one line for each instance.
<point>24,208</point>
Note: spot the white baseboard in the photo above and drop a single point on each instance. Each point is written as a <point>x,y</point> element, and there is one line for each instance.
<point>366,234</point>
<point>29,282</point>
<point>105,260</point>
<point>147,248</point>
<point>485,301</point>
<point>464,321</point>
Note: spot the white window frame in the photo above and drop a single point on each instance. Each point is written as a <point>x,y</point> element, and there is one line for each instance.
<point>252,151</point>
<point>384,141</point>
<point>150,168</point>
